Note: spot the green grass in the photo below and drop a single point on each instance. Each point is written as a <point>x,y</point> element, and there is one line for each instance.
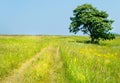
<point>62,59</point>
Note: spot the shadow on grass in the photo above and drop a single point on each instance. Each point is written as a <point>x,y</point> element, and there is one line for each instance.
<point>85,42</point>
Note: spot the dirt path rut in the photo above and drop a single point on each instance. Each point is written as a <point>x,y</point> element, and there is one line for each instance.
<point>54,74</point>
<point>18,73</point>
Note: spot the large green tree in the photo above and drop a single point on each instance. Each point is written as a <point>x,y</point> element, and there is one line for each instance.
<point>91,21</point>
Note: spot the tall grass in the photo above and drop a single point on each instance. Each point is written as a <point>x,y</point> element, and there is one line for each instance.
<point>14,50</point>
<point>75,62</point>
<point>88,63</point>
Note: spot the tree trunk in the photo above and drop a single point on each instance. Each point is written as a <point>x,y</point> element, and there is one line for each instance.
<point>92,40</point>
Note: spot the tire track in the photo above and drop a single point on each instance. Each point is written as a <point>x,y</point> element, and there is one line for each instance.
<point>56,71</point>
<point>19,73</point>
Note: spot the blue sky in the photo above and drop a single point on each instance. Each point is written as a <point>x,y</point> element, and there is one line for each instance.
<point>48,16</point>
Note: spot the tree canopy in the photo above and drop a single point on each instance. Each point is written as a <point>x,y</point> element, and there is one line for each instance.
<point>91,21</point>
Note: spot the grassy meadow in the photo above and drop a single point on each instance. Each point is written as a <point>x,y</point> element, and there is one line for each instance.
<point>58,59</point>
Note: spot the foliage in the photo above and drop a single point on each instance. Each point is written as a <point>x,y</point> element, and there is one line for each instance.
<point>92,22</point>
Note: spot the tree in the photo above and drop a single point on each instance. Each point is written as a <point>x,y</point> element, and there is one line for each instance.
<point>91,21</point>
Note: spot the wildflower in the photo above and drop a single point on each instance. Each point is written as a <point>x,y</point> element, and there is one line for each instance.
<point>107,61</point>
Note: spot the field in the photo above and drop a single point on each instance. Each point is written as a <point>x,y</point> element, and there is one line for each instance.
<point>58,59</point>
